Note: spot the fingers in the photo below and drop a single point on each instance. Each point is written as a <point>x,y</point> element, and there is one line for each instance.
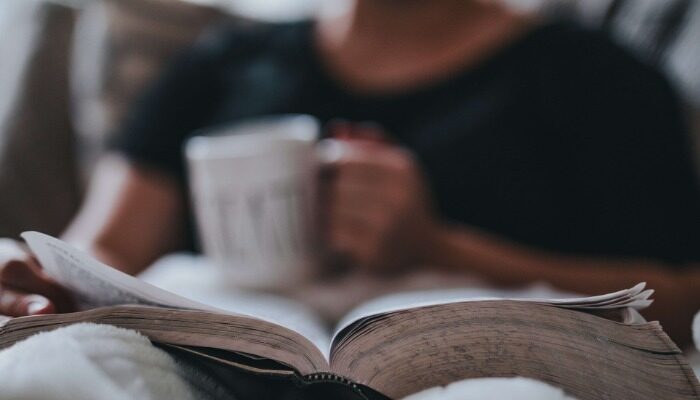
<point>367,206</point>
<point>368,132</point>
<point>370,189</point>
<point>15,303</point>
<point>354,240</point>
<point>18,276</point>
<point>361,199</point>
<point>367,165</point>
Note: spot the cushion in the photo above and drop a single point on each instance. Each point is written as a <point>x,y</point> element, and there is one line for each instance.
<point>121,46</point>
<point>37,169</point>
<point>105,362</point>
<point>46,96</point>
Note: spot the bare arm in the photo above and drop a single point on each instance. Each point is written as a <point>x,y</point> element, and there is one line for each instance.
<point>676,298</point>
<point>132,216</point>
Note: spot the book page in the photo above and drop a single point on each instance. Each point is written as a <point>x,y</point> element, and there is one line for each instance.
<point>636,298</point>
<point>95,284</point>
<point>193,277</point>
<point>253,340</point>
<point>403,352</point>
<point>275,309</point>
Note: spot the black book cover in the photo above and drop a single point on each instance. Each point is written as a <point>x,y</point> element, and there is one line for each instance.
<point>243,384</point>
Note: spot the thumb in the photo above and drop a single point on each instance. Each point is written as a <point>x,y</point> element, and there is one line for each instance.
<point>37,304</point>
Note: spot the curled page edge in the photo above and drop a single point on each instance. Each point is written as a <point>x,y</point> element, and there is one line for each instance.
<point>44,247</point>
<point>635,297</point>
<point>47,248</point>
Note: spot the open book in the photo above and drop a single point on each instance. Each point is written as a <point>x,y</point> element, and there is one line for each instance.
<point>594,348</point>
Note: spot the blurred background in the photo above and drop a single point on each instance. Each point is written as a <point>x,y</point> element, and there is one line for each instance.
<point>69,70</point>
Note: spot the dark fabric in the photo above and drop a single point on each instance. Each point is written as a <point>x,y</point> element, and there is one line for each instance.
<point>240,384</point>
<point>561,140</point>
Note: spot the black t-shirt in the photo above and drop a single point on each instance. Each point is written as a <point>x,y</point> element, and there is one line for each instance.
<point>560,140</point>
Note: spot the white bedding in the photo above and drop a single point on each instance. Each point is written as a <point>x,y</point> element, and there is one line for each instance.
<point>97,362</point>
<point>493,389</point>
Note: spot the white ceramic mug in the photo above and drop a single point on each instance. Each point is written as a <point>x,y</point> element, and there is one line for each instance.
<point>253,188</point>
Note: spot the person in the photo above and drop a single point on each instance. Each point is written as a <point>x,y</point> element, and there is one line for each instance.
<point>483,141</point>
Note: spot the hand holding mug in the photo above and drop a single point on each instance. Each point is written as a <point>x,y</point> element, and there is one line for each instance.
<point>378,210</point>
<point>24,288</point>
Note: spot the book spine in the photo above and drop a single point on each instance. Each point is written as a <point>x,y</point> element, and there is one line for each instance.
<point>333,378</point>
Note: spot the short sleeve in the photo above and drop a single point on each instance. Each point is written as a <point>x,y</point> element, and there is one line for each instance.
<point>179,102</point>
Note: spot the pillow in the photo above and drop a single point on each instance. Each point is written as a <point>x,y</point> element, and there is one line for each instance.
<point>105,362</point>
<point>120,47</point>
<point>46,146</point>
<point>37,170</point>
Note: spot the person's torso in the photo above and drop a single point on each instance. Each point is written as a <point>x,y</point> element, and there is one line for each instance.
<point>485,138</point>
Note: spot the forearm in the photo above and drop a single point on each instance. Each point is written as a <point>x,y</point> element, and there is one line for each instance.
<point>507,263</point>
<point>131,216</point>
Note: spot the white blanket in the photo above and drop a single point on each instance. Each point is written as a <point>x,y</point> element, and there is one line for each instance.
<point>96,362</point>
<point>493,389</point>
